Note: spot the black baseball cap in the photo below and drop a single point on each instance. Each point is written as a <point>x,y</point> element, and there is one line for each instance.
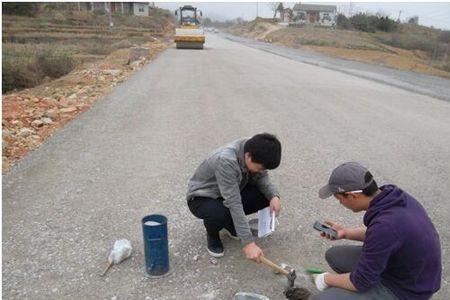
<point>347,177</point>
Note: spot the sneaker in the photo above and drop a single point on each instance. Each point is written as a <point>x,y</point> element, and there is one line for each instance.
<point>215,247</point>
<point>230,234</point>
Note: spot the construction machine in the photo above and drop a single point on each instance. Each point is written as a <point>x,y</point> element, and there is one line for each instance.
<point>189,34</point>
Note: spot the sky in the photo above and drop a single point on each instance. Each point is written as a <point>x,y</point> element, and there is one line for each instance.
<point>430,14</point>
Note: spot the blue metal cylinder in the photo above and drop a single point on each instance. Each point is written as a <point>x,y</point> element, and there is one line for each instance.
<point>156,245</point>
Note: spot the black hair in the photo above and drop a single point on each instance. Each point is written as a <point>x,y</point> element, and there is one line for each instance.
<point>372,188</point>
<point>265,149</point>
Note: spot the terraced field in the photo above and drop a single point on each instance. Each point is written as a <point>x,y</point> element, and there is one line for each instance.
<point>70,39</point>
<point>55,66</point>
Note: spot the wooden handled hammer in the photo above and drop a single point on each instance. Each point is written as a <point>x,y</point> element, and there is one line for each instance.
<point>290,274</point>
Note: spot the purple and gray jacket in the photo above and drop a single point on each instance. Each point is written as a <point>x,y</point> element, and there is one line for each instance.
<point>401,248</point>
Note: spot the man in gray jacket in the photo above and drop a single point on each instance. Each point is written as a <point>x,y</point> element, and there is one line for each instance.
<point>229,184</point>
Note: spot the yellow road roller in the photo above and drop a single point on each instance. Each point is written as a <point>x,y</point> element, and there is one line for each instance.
<point>189,34</point>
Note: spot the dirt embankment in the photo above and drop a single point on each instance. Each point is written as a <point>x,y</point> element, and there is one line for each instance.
<point>32,115</point>
<point>349,44</point>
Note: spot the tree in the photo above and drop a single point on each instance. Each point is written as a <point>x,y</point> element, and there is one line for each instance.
<point>371,23</point>
<point>207,22</point>
<point>343,22</point>
<point>17,8</point>
<point>445,36</point>
<point>276,7</point>
<point>386,24</point>
<point>239,21</point>
<point>363,22</point>
<point>414,20</point>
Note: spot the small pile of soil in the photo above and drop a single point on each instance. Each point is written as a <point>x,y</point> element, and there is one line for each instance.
<point>296,293</point>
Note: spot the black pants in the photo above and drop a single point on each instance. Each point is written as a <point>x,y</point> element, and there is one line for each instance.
<point>344,259</point>
<point>216,216</point>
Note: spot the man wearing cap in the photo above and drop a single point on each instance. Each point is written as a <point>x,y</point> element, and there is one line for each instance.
<point>400,257</point>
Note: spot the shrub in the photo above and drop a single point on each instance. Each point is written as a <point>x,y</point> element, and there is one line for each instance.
<point>26,65</point>
<point>445,36</point>
<point>385,24</point>
<point>17,74</point>
<point>99,12</point>
<point>19,8</point>
<point>414,20</point>
<point>445,66</point>
<point>53,63</point>
<point>97,47</point>
<point>363,22</point>
<point>122,44</point>
<point>343,22</point>
<point>410,41</point>
<point>366,22</point>
<point>52,6</point>
<point>161,13</point>
<point>59,18</point>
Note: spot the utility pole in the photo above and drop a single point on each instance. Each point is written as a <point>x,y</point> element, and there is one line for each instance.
<point>256,9</point>
<point>111,24</point>
<point>399,14</point>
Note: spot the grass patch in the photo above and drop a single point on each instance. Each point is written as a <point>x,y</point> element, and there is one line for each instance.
<point>49,44</point>
<point>27,65</point>
<point>416,37</point>
<point>323,37</point>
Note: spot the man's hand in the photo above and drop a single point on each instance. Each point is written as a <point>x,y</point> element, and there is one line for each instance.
<point>339,229</point>
<point>253,252</point>
<point>275,205</point>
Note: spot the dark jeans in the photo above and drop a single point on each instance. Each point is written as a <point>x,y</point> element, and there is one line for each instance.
<point>216,216</point>
<point>344,259</point>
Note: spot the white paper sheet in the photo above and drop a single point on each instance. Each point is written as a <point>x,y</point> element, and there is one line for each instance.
<point>266,222</point>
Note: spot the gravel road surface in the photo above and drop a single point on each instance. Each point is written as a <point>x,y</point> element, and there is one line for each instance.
<point>130,155</point>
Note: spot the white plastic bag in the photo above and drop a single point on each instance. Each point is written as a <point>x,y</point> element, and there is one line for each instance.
<point>121,251</point>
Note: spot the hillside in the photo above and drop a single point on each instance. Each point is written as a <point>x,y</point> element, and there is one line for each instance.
<point>57,64</point>
<point>52,43</point>
<point>410,47</point>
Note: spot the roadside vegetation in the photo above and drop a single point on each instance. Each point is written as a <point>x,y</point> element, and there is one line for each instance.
<point>369,38</point>
<point>58,63</point>
<point>43,41</point>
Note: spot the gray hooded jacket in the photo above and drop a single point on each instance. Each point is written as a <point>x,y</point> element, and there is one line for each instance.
<point>223,174</point>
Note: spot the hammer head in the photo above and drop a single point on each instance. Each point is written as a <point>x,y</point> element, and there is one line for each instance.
<point>291,276</point>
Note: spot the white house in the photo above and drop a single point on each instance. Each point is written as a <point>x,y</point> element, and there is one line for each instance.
<point>136,8</point>
<point>140,8</point>
<point>316,14</point>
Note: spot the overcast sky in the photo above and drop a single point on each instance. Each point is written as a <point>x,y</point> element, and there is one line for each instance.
<point>430,14</point>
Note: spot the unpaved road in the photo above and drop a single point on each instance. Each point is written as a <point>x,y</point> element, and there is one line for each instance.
<point>132,153</point>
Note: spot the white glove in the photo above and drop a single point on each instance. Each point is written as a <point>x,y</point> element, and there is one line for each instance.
<point>319,281</point>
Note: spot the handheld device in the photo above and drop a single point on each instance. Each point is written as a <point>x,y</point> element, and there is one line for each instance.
<point>319,226</point>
